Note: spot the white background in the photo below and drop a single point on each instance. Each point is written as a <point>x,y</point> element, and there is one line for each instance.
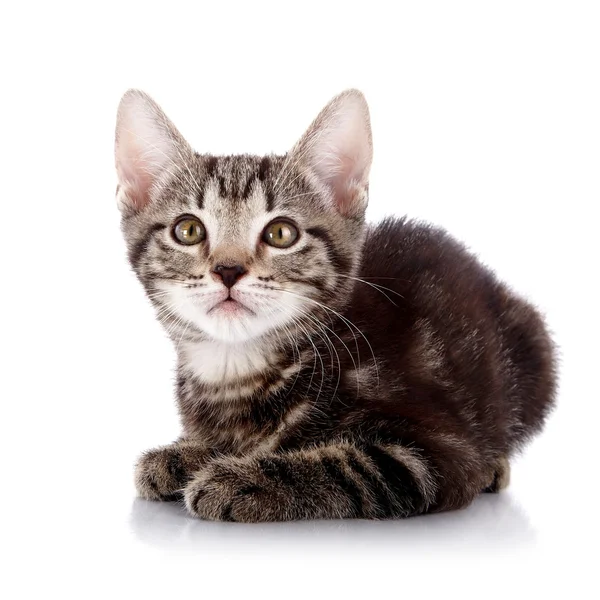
<point>486,121</point>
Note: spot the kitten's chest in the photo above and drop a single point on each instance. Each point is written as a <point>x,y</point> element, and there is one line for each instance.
<point>234,399</point>
<point>243,426</point>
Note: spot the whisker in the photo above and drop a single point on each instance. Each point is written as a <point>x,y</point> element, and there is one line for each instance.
<point>320,325</point>
<point>331,347</point>
<point>375,286</point>
<point>347,321</point>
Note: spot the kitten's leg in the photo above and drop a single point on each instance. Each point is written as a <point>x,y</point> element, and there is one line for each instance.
<point>328,482</point>
<point>501,477</point>
<point>161,473</point>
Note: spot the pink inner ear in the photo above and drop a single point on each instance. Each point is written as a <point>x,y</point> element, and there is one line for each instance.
<point>340,151</point>
<point>136,181</point>
<point>350,199</point>
<point>344,181</point>
<point>145,146</point>
<point>346,174</point>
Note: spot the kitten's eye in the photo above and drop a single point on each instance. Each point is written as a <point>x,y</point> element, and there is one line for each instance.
<point>189,231</point>
<point>280,234</point>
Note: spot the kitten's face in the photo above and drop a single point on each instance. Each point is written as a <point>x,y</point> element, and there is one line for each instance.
<point>235,247</point>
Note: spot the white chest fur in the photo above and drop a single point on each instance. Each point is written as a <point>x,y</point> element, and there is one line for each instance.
<point>217,363</point>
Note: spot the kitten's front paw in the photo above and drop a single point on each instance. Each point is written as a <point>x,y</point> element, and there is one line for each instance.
<point>162,473</point>
<point>229,490</point>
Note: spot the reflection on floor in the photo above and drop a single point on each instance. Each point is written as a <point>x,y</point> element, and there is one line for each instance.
<point>493,522</point>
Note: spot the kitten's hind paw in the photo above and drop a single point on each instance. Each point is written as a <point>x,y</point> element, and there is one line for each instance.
<point>162,473</point>
<point>501,477</point>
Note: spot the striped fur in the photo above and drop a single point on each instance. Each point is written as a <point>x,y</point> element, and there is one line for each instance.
<point>371,372</point>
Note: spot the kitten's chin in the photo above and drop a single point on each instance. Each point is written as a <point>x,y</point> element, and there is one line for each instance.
<point>233,322</point>
<point>234,325</point>
<point>230,309</point>
<point>237,319</point>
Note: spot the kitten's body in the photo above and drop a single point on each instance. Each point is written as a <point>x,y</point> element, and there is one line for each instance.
<point>397,377</point>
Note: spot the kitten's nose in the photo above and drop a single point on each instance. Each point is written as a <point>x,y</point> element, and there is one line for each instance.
<point>229,274</point>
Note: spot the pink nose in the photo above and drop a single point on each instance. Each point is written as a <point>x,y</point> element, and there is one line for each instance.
<point>229,274</point>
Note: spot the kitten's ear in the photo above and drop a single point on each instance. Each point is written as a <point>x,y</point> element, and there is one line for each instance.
<point>337,149</point>
<point>147,145</point>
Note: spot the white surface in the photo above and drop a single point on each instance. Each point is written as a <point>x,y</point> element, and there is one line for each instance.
<point>486,120</point>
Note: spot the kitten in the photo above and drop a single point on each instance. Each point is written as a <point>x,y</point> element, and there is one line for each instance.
<point>326,368</point>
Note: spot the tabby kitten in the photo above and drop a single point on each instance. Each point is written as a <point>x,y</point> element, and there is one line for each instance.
<point>326,368</point>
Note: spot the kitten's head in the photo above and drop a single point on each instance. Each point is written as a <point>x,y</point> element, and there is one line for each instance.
<point>232,247</point>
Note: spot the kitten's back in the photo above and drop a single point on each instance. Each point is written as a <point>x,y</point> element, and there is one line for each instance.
<point>450,307</point>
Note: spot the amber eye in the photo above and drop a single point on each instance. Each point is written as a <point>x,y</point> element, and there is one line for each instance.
<point>280,234</point>
<point>189,231</point>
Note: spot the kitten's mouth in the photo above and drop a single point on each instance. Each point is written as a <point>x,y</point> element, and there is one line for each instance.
<point>230,307</point>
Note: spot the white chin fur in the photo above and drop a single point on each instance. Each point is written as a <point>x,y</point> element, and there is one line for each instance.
<point>268,314</point>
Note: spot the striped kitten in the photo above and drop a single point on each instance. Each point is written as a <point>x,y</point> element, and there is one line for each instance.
<point>326,369</point>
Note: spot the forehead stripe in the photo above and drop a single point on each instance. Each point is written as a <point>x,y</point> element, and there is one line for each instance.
<point>264,168</point>
<point>249,186</point>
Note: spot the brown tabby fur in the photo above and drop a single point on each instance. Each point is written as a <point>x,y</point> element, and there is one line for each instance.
<point>405,386</point>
